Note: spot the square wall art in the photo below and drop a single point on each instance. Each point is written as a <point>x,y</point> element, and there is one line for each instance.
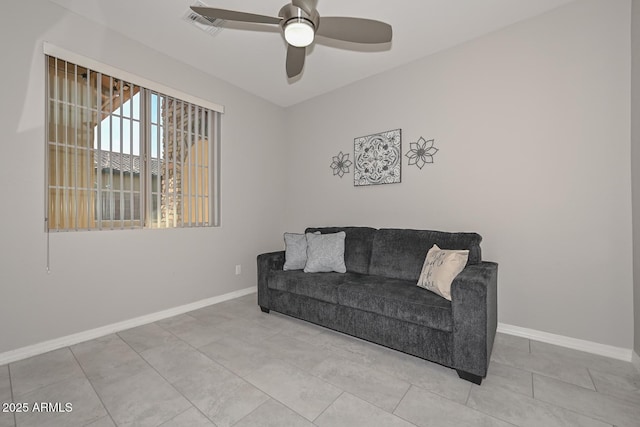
<point>377,158</point>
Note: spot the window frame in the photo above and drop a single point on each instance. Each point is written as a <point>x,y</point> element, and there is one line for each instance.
<point>150,88</point>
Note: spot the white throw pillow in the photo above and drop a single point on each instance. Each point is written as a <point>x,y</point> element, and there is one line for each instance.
<point>325,253</point>
<point>440,267</point>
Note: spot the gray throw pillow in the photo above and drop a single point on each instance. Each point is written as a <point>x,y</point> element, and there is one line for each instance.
<point>325,253</point>
<point>295,251</point>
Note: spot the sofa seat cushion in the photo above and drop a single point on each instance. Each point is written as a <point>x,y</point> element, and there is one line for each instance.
<point>397,299</point>
<point>320,286</point>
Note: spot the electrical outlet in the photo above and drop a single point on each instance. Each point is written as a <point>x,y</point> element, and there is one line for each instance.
<point>238,269</point>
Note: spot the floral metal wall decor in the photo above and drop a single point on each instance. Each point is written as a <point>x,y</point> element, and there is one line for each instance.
<point>341,164</point>
<point>378,158</point>
<point>421,152</point>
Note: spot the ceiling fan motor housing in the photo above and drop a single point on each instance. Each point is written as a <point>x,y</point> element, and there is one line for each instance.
<point>298,26</point>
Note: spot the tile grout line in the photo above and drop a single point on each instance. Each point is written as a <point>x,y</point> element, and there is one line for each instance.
<point>217,363</point>
<point>370,366</point>
<point>467,406</point>
<point>400,416</point>
<point>331,347</point>
<point>592,380</point>
<point>275,400</point>
<point>533,392</point>
<point>401,399</point>
<point>92,387</point>
<point>257,407</point>
<point>579,368</point>
<point>466,401</point>
<point>177,415</point>
<point>328,406</point>
<point>57,382</point>
<point>531,373</point>
<point>270,396</point>
<point>15,419</point>
<point>331,383</point>
<point>304,371</point>
<point>572,410</point>
<point>193,405</point>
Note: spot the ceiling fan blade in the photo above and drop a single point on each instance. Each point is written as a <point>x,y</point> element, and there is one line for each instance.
<point>357,30</point>
<point>295,60</point>
<point>306,5</point>
<point>232,15</point>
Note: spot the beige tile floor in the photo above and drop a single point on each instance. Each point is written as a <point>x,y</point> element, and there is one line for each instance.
<point>231,365</point>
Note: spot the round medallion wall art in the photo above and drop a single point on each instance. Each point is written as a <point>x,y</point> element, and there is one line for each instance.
<point>377,158</point>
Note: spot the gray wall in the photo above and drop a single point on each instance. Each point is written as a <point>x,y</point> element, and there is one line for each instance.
<point>635,164</point>
<point>99,278</point>
<point>533,127</point>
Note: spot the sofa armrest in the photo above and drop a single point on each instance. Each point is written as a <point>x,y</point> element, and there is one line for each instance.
<point>474,306</point>
<point>266,263</point>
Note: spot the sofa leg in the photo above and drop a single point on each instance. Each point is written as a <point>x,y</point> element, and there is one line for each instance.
<point>476,379</point>
<point>264,309</point>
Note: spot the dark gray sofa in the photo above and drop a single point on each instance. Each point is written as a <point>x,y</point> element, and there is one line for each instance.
<point>377,298</point>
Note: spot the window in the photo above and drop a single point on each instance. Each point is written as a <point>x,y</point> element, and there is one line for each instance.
<point>121,155</point>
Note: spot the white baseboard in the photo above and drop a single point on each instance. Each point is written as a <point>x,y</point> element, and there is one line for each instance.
<point>568,342</point>
<point>43,347</point>
<point>635,359</point>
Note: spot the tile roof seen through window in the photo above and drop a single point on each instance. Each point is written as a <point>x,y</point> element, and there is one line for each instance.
<point>123,162</point>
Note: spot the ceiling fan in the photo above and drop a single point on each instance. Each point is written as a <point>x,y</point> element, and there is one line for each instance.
<point>300,23</point>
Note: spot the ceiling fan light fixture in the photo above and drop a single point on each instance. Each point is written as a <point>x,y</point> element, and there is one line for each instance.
<point>299,32</point>
<point>299,20</point>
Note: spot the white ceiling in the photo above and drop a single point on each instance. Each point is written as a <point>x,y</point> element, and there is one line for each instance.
<point>254,59</point>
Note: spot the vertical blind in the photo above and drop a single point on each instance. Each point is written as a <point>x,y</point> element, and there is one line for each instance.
<point>120,155</point>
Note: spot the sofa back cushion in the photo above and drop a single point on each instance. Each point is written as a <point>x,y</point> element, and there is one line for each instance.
<point>400,253</point>
<point>357,246</point>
